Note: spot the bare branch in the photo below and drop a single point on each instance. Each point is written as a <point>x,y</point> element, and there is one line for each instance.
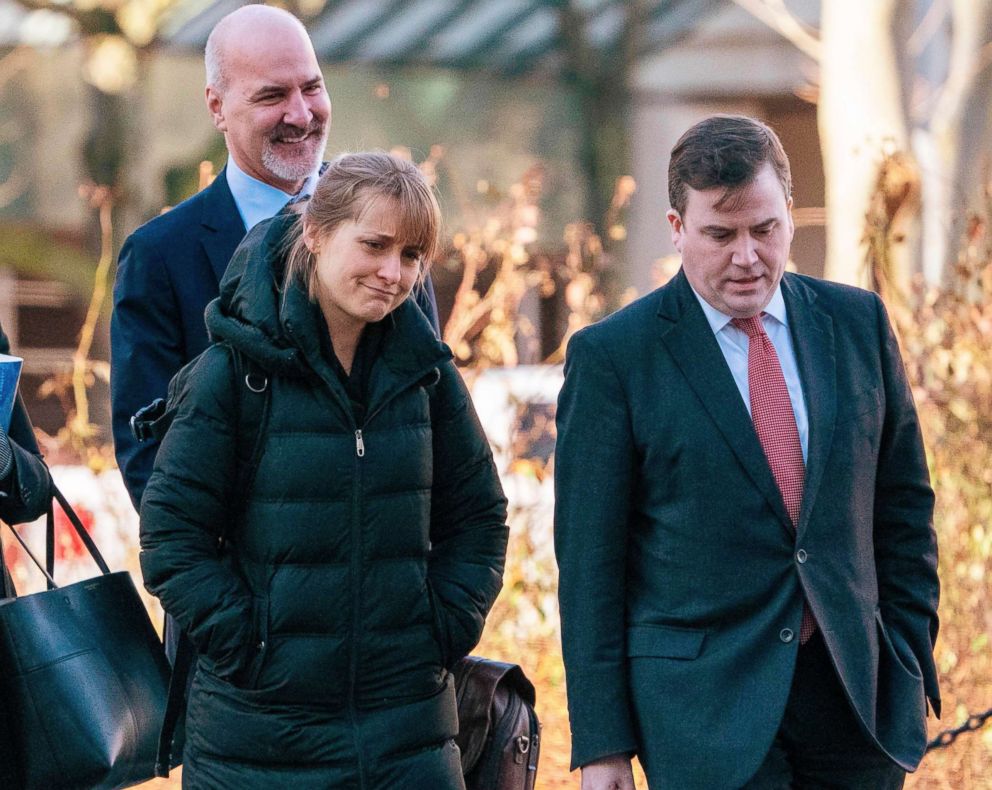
<point>928,27</point>
<point>775,15</point>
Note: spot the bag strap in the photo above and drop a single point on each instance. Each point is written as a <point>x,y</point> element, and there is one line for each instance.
<point>49,567</point>
<point>175,704</point>
<point>254,399</point>
<point>253,418</point>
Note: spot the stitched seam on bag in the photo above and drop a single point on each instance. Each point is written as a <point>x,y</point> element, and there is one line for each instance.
<point>57,661</point>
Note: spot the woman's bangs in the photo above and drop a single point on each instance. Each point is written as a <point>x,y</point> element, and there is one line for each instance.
<point>417,221</point>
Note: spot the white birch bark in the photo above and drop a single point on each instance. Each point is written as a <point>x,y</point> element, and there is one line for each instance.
<point>861,118</point>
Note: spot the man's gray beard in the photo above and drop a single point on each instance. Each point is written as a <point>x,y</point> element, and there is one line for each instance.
<point>293,168</point>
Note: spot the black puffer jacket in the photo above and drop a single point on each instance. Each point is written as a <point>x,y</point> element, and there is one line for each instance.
<point>360,568</point>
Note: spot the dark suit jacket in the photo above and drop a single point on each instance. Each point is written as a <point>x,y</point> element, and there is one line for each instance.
<point>168,271</point>
<point>679,567</point>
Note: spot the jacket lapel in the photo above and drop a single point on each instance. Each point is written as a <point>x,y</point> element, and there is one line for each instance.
<point>813,339</point>
<point>689,339</point>
<point>222,226</point>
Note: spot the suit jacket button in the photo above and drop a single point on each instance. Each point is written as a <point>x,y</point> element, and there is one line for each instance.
<point>801,556</point>
<point>786,635</point>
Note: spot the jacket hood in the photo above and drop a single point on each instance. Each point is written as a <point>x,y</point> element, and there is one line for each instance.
<point>278,327</point>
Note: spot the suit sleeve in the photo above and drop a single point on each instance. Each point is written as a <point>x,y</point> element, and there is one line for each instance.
<point>146,349</point>
<point>468,520</point>
<point>26,490</point>
<point>904,537</point>
<point>185,509</point>
<point>594,479</point>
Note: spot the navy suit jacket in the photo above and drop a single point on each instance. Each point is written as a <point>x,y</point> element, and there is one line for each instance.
<point>682,580</point>
<point>168,271</point>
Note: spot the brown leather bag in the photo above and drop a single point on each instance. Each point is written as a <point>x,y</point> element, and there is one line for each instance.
<point>499,734</point>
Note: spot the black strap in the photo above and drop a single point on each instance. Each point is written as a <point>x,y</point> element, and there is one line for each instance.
<point>253,417</point>
<point>175,705</point>
<point>84,536</point>
<point>254,396</point>
<point>49,567</point>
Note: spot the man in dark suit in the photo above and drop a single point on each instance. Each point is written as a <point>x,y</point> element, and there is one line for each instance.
<point>748,579</point>
<point>265,93</point>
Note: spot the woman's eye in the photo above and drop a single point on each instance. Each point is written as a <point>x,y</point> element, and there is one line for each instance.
<point>373,245</point>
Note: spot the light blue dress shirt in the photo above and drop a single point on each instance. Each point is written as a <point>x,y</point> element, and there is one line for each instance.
<point>734,344</point>
<point>257,200</point>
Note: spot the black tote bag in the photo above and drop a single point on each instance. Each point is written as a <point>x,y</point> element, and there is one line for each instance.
<point>83,678</point>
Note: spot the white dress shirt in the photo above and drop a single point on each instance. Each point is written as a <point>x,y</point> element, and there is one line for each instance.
<point>257,200</point>
<point>734,344</point>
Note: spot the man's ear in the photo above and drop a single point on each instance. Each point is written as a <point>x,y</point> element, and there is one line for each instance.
<point>215,105</point>
<point>678,229</point>
<point>792,222</point>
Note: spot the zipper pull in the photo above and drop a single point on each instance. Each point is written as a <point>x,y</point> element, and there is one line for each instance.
<point>359,444</point>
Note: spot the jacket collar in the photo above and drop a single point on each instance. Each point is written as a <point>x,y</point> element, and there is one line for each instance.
<point>687,335</point>
<point>813,339</point>
<point>410,351</point>
<point>222,225</point>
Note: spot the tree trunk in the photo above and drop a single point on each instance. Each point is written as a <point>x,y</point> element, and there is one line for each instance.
<point>861,119</point>
<point>959,139</point>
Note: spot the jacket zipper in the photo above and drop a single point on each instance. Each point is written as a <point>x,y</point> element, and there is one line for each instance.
<point>356,542</point>
<point>356,598</point>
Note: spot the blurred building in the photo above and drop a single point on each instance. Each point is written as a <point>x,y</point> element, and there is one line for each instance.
<point>497,84</point>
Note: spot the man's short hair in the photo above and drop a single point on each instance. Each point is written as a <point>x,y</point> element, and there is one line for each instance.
<point>724,151</point>
<point>213,59</point>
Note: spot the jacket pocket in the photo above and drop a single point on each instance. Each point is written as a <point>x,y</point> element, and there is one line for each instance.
<point>891,642</point>
<point>664,641</point>
<point>437,627</point>
<point>260,643</point>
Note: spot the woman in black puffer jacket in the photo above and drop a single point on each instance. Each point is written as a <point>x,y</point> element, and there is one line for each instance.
<point>362,562</point>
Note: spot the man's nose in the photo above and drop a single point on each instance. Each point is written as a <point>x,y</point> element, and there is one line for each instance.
<point>297,110</point>
<point>745,250</point>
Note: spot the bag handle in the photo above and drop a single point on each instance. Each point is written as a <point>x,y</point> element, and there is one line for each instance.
<point>84,536</point>
<point>17,535</point>
<point>49,567</point>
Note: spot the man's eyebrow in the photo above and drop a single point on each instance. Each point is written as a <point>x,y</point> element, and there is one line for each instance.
<point>266,90</point>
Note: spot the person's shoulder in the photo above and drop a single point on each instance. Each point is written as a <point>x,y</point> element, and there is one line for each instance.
<point>206,382</point>
<point>830,290</point>
<point>835,298</point>
<point>624,324</point>
<point>164,228</point>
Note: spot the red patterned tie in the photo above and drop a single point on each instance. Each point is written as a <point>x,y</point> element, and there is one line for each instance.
<point>775,424</point>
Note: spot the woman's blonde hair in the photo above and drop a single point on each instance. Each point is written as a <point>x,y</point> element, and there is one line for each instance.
<point>348,187</point>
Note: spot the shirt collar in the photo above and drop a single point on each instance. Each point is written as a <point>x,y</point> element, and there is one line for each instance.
<point>257,200</point>
<point>718,320</point>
